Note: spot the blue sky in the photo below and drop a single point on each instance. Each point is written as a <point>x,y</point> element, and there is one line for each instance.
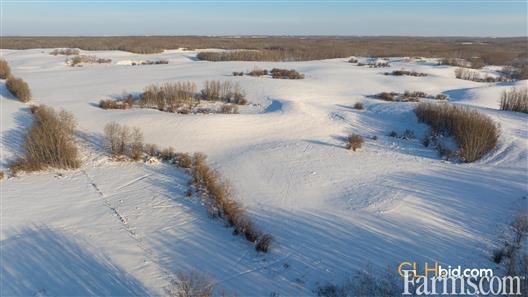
<point>269,17</point>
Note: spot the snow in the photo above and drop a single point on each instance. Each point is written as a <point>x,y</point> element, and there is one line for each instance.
<point>125,228</point>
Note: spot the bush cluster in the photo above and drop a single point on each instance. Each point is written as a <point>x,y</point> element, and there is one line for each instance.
<point>79,59</point>
<point>475,134</point>
<point>275,73</point>
<point>65,52</point>
<point>408,96</point>
<point>19,88</point>
<point>170,96</point>
<point>468,74</point>
<point>126,101</point>
<point>49,142</point>
<point>286,74</point>
<point>225,91</point>
<point>258,72</point>
<point>515,100</point>
<point>405,72</point>
<point>220,203</point>
<point>122,142</point>
<point>149,62</point>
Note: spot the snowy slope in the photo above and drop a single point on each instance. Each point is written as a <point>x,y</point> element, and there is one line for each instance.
<point>329,209</point>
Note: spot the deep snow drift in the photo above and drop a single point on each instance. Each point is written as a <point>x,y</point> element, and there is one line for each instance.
<point>125,228</point>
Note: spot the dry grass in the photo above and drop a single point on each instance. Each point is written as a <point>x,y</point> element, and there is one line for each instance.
<point>220,203</point>
<point>354,142</point>
<point>19,88</point>
<point>5,71</point>
<point>492,51</point>
<point>515,100</point>
<point>476,134</point>
<point>49,142</point>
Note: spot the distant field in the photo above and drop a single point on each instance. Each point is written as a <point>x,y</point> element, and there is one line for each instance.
<point>491,51</point>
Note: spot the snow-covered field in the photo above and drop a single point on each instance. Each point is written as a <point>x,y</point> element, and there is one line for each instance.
<point>124,228</point>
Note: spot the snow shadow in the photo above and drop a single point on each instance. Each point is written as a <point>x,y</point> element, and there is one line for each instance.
<point>6,94</point>
<point>13,139</point>
<point>37,260</point>
<point>275,106</point>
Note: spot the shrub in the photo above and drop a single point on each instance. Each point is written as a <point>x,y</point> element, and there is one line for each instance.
<point>258,72</point>
<point>1,175</point>
<point>167,154</point>
<point>378,65</point>
<point>476,134</point>
<point>114,104</point>
<point>515,100</point>
<point>455,62</point>
<point>184,160</point>
<point>151,150</point>
<point>19,88</point>
<point>168,96</point>
<point>79,59</point>
<point>286,74</point>
<point>191,284</point>
<point>49,142</point>
<point>393,133</point>
<point>263,243</point>
<point>65,52</point>
<point>225,91</point>
<point>412,96</point>
<point>386,96</point>
<point>405,72</point>
<point>352,60</point>
<point>5,71</point>
<point>235,73</point>
<point>121,142</point>
<point>220,204</point>
<point>358,105</point>
<point>354,142</point>
<point>441,97</point>
<point>136,145</point>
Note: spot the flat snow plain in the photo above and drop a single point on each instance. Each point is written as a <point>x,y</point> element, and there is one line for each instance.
<point>123,229</point>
